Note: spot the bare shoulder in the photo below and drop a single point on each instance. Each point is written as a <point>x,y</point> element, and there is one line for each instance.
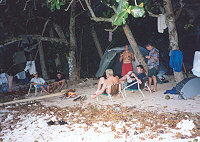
<point>116,77</point>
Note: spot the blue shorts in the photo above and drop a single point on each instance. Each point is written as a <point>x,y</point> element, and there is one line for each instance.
<point>45,86</point>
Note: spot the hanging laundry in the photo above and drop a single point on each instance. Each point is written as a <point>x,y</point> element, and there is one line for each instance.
<point>19,57</point>
<point>30,66</point>
<point>3,78</point>
<point>196,64</point>
<point>4,83</point>
<point>110,36</point>
<point>21,75</point>
<point>176,60</point>
<point>161,22</point>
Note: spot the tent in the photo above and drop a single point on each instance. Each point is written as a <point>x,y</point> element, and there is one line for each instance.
<point>188,88</point>
<point>111,57</point>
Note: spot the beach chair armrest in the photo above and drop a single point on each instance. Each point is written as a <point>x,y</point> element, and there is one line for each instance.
<point>131,85</point>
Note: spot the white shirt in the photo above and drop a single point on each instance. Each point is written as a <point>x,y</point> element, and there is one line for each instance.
<point>38,80</point>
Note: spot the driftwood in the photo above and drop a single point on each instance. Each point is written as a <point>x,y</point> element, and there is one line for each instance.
<point>33,99</point>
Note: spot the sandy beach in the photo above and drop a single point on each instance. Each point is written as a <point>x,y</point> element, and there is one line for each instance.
<point>136,118</point>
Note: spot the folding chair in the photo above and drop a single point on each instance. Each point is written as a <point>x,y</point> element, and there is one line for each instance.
<point>110,91</point>
<point>140,86</point>
<point>36,89</point>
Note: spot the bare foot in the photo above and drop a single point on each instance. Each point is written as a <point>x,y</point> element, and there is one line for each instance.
<point>93,96</point>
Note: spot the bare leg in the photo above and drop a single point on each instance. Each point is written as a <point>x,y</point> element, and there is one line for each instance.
<point>101,81</point>
<point>124,78</point>
<point>150,81</point>
<point>62,84</point>
<point>43,89</point>
<point>55,85</point>
<point>48,88</point>
<point>154,83</point>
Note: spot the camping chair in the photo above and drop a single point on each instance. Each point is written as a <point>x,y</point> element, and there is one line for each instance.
<point>36,89</point>
<point>110,90</point>
<point>140,87</point>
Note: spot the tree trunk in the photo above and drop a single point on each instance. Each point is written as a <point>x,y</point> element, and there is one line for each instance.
<point>80,52</point>
<point>72,58</point>
<point>96,41</point>
<point>173,36</point>
<point>57,60</point>
<point>42,61</point>
<point>134,46</point>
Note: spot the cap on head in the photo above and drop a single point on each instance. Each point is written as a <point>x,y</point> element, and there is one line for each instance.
<point>35,73</point>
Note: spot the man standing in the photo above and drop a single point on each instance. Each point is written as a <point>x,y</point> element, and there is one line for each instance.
<point>39,83</point>
<point>153,63</point>
<point>59,81</point>
<point>127,58</point>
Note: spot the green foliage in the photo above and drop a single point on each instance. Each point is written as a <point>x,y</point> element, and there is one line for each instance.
<point>124,9</point>
<point>121,18</point>
<point>55,4</point>
<point>137,11</point>
<point>123,5</point>
<point>188,26</point>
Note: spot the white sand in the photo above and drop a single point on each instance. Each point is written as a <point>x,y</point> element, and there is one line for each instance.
<point>31,127</point>
<point>154,102</point>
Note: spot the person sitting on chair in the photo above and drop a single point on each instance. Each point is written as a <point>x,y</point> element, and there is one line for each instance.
<point>39,83</point>
<point>104,83</point>
<point>130,77</point>
<point>59,81</point>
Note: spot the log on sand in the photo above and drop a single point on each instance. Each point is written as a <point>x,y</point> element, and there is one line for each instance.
<point>33,99</point>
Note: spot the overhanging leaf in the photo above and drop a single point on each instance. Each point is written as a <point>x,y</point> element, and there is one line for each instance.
<point>62,3</point>
<point>58,6</point>
<point>119,8</point>
<point>137,11</point>
<point>141,5</point>
<point>123,5</point>
<point>124,19</point>
<point>53,7</point>
<point>121,18</point>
